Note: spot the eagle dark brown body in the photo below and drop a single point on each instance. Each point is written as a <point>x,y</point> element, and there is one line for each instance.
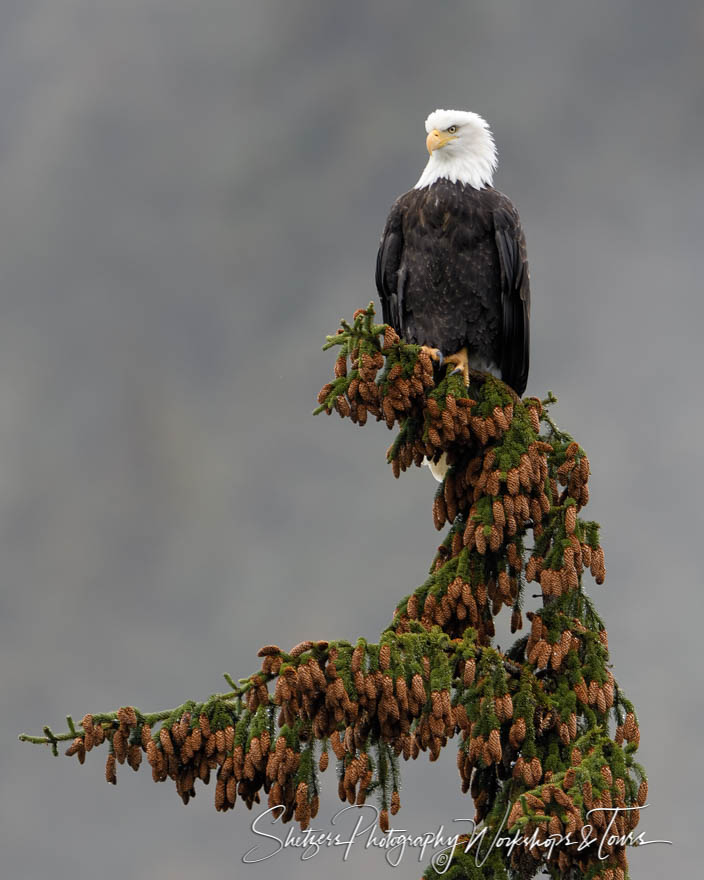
<point>452,272</point>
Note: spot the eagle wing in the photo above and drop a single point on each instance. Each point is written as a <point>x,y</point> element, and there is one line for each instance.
<point>388,263</point>
<point>515,295</point>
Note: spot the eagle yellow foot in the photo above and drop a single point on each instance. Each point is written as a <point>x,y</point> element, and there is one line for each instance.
<point>461,361</point>
<point>433,353</point>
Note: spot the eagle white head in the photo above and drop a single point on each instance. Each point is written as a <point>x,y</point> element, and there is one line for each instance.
<point>461,148</point>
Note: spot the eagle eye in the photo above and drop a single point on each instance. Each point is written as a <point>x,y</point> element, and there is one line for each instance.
<point>452,129</point>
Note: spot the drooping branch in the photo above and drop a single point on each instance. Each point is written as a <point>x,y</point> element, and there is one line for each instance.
<point>534,722</point>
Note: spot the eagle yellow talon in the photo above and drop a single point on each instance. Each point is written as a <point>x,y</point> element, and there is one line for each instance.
<point>461,362</point>
<point>433,353</point>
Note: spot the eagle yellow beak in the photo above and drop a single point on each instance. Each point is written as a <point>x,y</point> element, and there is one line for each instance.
<point>437,139</point>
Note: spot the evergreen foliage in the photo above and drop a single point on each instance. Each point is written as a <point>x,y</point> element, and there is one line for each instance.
<point>546,736</point>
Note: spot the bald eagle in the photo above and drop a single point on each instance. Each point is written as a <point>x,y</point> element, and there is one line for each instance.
<point>451,270</point>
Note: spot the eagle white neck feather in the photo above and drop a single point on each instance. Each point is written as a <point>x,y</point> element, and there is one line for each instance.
<point>469,158</point>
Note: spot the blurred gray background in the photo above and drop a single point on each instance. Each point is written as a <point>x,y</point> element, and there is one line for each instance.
<point>191,195</point>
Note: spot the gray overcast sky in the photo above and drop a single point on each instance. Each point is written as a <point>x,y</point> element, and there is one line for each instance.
<point>191,196</point>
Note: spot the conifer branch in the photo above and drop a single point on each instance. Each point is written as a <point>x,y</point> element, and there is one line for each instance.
<point>534,722</point>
